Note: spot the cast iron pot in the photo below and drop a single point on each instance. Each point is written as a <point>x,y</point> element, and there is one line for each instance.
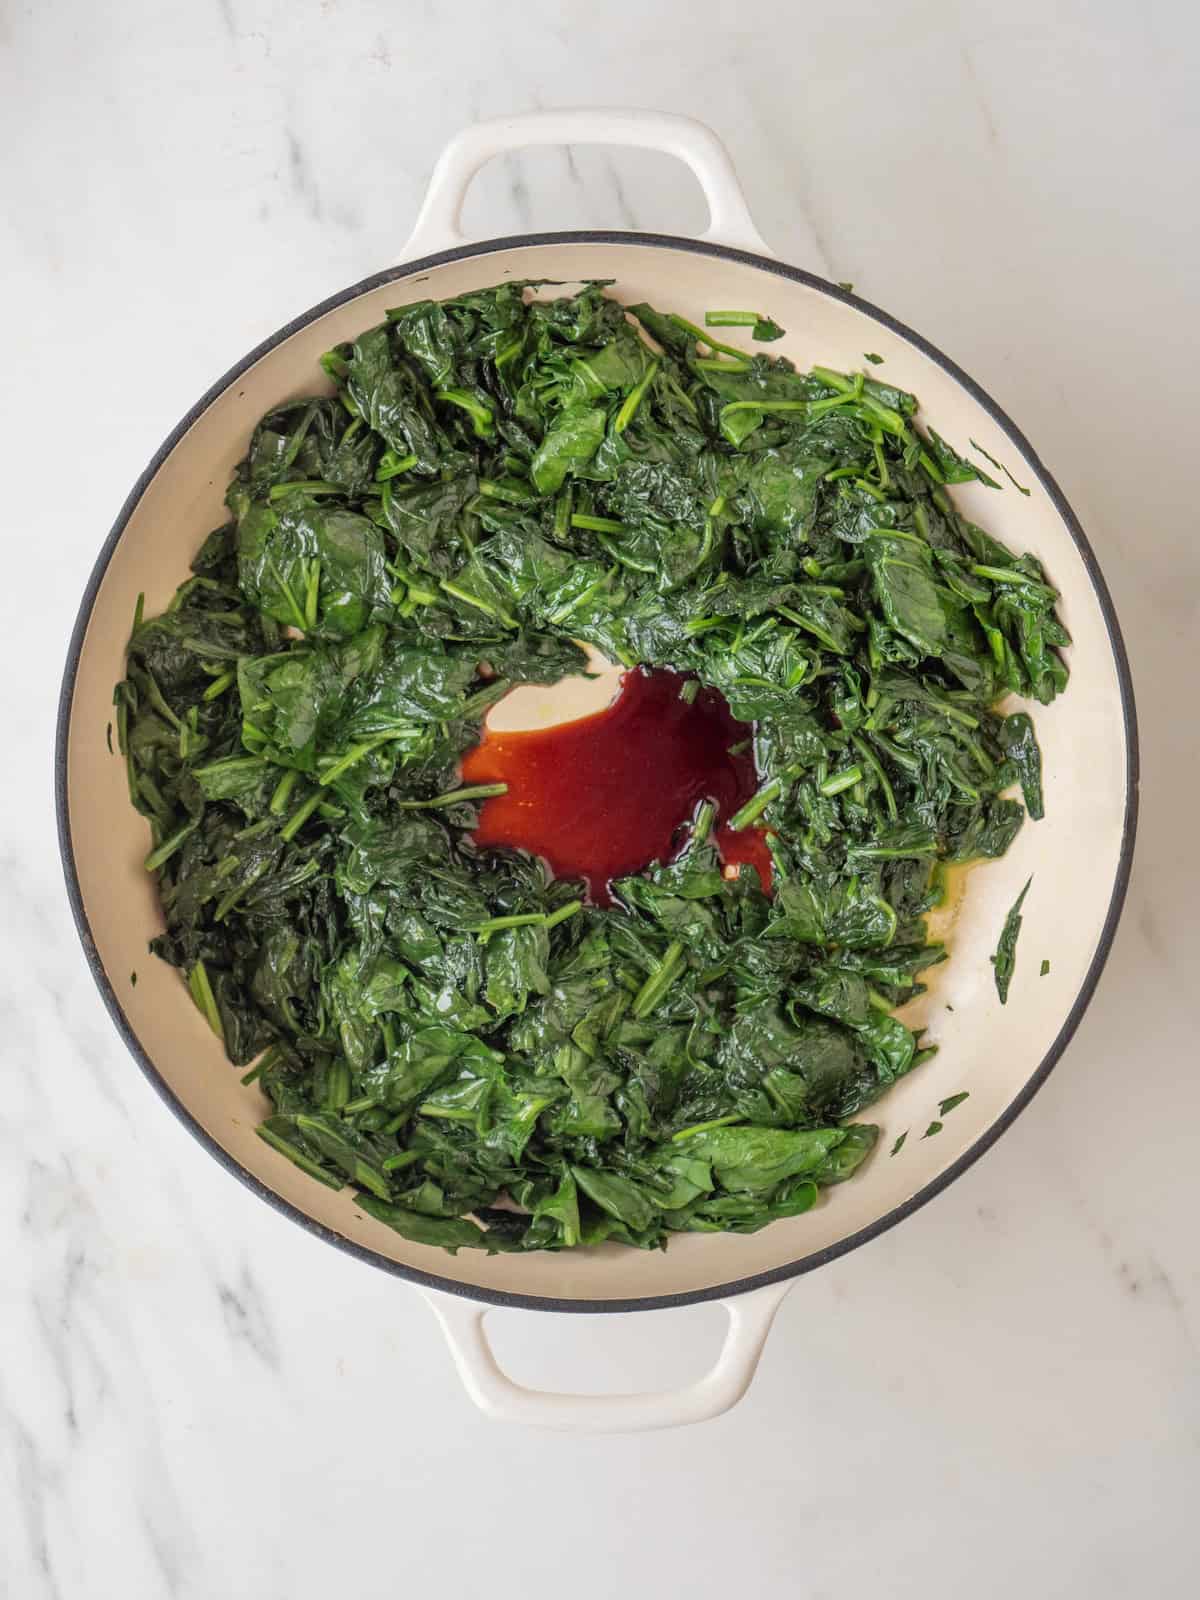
<point>1080,852</point>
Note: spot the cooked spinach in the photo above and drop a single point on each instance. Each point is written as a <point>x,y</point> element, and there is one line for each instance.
<point>486,1058</point>
<point>1000,467</point>
<point>1005,959</point>
<point>762,328</point>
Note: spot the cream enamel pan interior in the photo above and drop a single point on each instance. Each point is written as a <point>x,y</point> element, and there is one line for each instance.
<point>1078,855</point>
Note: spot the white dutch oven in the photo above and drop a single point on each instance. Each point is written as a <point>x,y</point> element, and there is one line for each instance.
<point>1079,854</point>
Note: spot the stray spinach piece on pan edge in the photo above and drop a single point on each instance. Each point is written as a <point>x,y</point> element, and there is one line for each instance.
<point>487,1060</point>
<point>1004,960</point>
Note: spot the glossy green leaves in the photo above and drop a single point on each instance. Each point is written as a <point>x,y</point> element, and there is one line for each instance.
<point>489,1061</point>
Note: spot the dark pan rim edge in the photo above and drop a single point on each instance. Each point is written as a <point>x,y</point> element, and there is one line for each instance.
<point>818,1258</point>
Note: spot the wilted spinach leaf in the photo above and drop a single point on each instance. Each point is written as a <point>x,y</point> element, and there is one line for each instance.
<point>1005,959</point>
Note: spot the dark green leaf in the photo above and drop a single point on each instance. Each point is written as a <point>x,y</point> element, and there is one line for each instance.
<point>1004,960</point>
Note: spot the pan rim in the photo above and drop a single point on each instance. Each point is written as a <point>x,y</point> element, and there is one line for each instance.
<point>803,1264</point>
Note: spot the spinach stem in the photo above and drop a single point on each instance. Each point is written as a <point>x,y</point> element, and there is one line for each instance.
<point>759,802</point>
<point>503,491</point>
<point>283,790</point>
<point>635,397</point>
<point>841,780</point>
<point>162,853</point>
<point>870,488</point>
<point>299,817</point>
<point>659,981</point>
<point>562,512</point>
<point>706,338</point>
<point>158,699</point>
<point>528,919</point>
<point>563,913</point>
<point>478,791</point>
<point>297,614</point>
<point>365,1102</point>
<point>583,519</point>
<point>703,1127</point>
<point>765,406</point>
<point>295,1155</point>
<point>703,822</point>
<point>312,596</point>
<point>833,380</point>
<point>819,408</point>
<point>206,1002</point>
<point>523,919</point>
<point>392,465</point>
<point>219,685</point>
<point>483,419</point>
<point>876,766</point>
<point>1008,575</point>
<point>402,1159</point>
<point>352,757</point>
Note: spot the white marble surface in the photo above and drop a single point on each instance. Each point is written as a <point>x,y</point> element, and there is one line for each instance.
<point>197,1399</point>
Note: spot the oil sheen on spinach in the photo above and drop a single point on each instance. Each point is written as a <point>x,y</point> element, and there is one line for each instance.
<point>487,1060</point>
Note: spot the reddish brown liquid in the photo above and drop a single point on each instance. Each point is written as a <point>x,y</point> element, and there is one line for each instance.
<point>606,795</point>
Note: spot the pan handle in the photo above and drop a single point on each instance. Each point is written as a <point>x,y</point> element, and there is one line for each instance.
<point>722,1386</point>
<point>697,146</point>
